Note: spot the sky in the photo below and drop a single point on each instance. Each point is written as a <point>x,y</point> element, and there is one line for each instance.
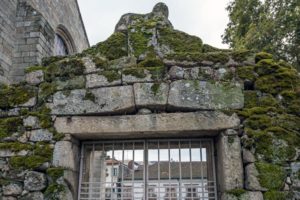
<point>206,19</point>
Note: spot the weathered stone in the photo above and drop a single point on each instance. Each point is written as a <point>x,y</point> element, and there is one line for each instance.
<point>248,195</point>
<point>66,154</point>
<point>220,73</point>
<point>40,135</point>
<point>200,95</point>
<point>33,196</point>
<point>144,111</point>
<point>90,66</point>
<point>161,8</point>
<point>295,168</point>
<point>30,103</point>
<point>6,153</point>
<point>35,181</point>
<point>167,124</point>
<point>12,189</point>
<point>251,180</point>
<point>31,122</point>
<point>77,82</point>
<point>176,73</point>
<point>230,132</point>
<point>35,78</point>
<point>96,101</point>
<point>151,95</point>
<point>97,80</point>
<point>8,198</point>
<point>123,62</point>
<point>248,157</point>
<point>230,165</point>
<point>132,78</point>
<point>206,73</point>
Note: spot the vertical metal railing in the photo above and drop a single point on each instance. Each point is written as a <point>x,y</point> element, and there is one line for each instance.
<point>177,172</point>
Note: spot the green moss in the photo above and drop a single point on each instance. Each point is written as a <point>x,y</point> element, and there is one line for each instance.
<point>206,48</point>
<point>4,182</point>
<point>46,90</point>
<point>256,122</point>
<point>14,95</point>
<point>241,55</point>
<point>34,68</point>
<point>247,112</point>
<point>15,146</point>
<point>179,41</point>
<point>216,57</point>
<point>157,73</point>
<point>276,195</point>
<point>136,72</point>
<point>266,66</point>
<point>44,115</point>
<point>9,126</point>
<point>113,48</point>
<point>90,96</point>
<point>111,75</point>
<point>53,191</point>
<point>151,62</point>
<point>139,42</point>
<point>236,192</point>
<point>55,173</point>
<point>250,98</point>
<point>49,60</point>
<point>262,55</point>
<point>100,62</point>
<point>270,176</point>
<point>29,162</point>
<point>43,150</point>
<point>268,101</point>
<point>246,73</point>
<point>67,69</point>
<point>155,88</point>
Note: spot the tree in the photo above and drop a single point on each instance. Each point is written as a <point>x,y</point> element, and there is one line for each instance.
<point>270,25</point>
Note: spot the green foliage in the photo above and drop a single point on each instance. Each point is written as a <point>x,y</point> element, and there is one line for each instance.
<point>269,25</point>
<point>9,126</point>
<point>55,173</point>
<point>44,115</point>
<point>270,176</point>
<point>34,68</point>
<point>114,47</point>
<point>251,99</point>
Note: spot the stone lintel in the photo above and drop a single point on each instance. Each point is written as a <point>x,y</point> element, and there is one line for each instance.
<point>206,123</point>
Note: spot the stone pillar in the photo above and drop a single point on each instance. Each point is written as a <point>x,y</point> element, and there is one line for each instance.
<point>229,161</point>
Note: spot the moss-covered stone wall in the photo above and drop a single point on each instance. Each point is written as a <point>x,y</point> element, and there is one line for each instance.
<point>148,67</point>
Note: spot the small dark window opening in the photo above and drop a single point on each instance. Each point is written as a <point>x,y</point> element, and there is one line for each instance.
<point>61,48</point>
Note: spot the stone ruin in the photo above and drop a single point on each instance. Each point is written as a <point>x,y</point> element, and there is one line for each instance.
<point>148,80</point>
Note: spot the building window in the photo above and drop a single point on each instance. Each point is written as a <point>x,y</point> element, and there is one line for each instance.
<point>148,170</point>
<point>60,45</point>
<point>63,44</point>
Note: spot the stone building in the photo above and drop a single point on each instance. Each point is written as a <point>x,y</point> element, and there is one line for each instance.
<point>152,113</point>
<point>33,29</point>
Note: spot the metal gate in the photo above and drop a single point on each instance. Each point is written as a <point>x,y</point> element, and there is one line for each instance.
<point>177,169</point>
